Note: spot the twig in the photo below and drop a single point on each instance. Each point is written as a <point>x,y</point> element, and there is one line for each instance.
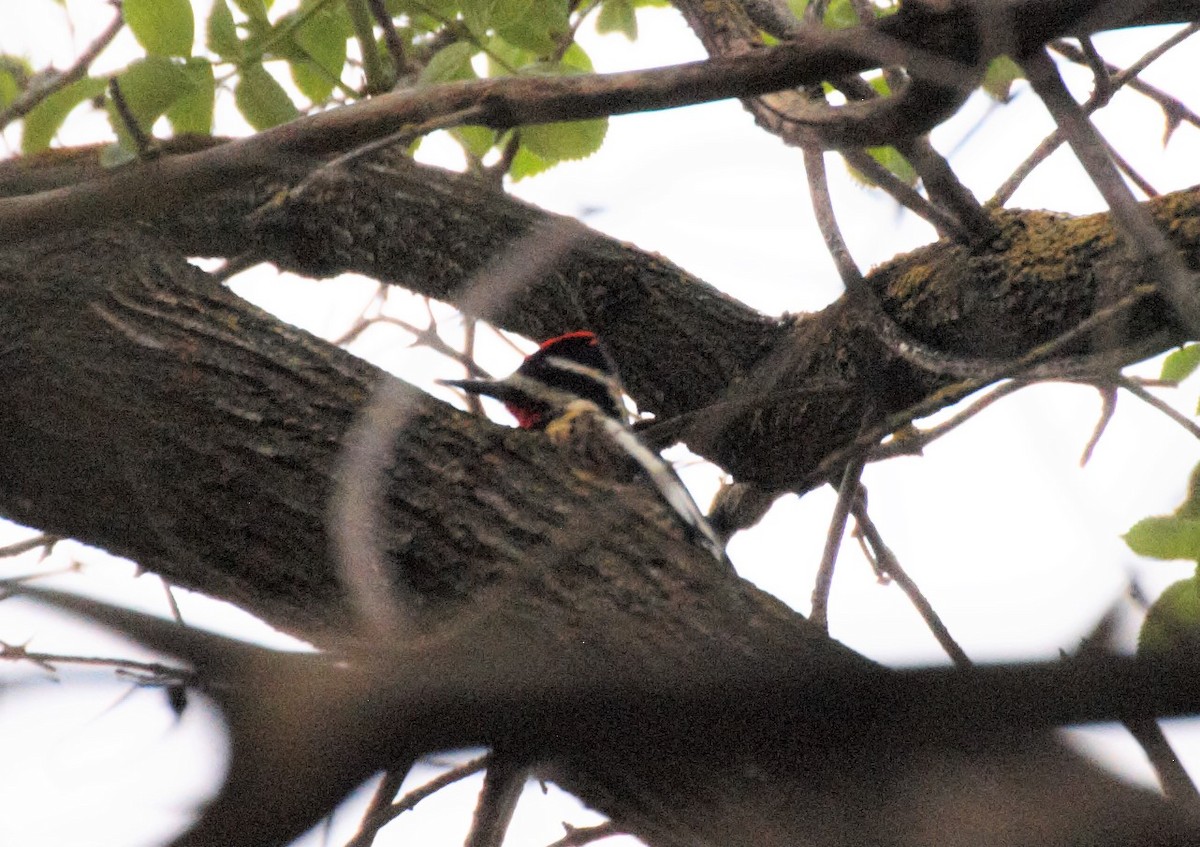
<point>914,442</point>
<point>234,266</point>
<point>172,603</point>
<point>887,563</point>
<point>1108,397</point>
<point>1118,77</point>
<point>1162,406</point>
<point>818,189</point>
<point>908,197</point>
<point>496,103</point>
<point>847,493</point>
<point>1103,90</point>
<point>1051,142</point>
<point>409,801</point>
<point>16,549</point>
<point>361,322</point>
<point>577,836</point>
<point>391,38</point>
<point>1174,109</point>
<point>1152,382</point>
<point>944,185</point>
<point>962,217</point>
<point>1026,365</point>
<point>496,171</point>
<point>47,661</point>
<point>470,324</point>
<point>429,337</point>
<point>1143,238</point>
<point>36,94</point>
<point>1174,778</point>
<point>375,816</point>
<point>401,136</point>
<point>378,78</point>
<point>502,787</point>
<point>139,137</point>
<point>1136,178</point>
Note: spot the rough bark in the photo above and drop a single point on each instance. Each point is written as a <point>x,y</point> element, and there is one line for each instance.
<point>768,400</point>
<point>151,412</point>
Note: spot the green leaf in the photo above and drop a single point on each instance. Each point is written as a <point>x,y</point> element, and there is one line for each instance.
<point>1190,508</point>
<point>220,33</point>
<point>880,85</point>
<point>149,87</point>
<point>45,118</point>
<point>508,12</point>
<point>476,140</point>
<point>481,16</point>
<point>1001,73</point>
<point>503,58</point>
<point>450,63</point>
<point>163,27</point>
<point>1166,537</point>
<point>618,16</point>
<point>526,164</point>
<point>15,73</point>
<point>116,154</point>
<point>193,112</point>
<point>551,143</point>
<point>262,100</point>
<point>895,162</point>
<point>564,141</point>
<point>9,88</point>
<point>1173,620</point>
<point>255,10</point>
<point>323,43</point>
<point>575,60</point>
<point>1182,363</point>
<point>542,28</point>
<point>433,14</point>
<point>840,14</point>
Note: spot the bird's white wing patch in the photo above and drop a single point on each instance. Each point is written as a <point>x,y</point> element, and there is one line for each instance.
<point>668,484</point>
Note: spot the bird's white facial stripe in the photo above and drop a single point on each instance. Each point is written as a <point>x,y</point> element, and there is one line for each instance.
<point>610,382</point>
<point>583,370</point>
<point>539,391</point>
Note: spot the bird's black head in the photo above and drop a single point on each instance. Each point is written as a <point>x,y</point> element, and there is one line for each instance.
<point>577,364</point>
<point>572,365</point>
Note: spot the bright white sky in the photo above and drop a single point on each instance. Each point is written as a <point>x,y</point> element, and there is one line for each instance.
<point>1015,545</point>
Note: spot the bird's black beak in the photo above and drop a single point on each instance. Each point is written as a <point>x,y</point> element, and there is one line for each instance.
<point>488,387</point>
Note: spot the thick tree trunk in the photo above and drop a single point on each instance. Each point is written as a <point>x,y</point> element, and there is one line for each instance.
<point>149,411</point>
<point>768,400</point>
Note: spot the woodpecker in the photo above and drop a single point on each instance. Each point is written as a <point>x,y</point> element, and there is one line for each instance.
<point>569,389</point>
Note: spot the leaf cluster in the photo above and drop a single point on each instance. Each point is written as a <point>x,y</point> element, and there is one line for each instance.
<point>1173,620</point>
<point>278,65</point>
